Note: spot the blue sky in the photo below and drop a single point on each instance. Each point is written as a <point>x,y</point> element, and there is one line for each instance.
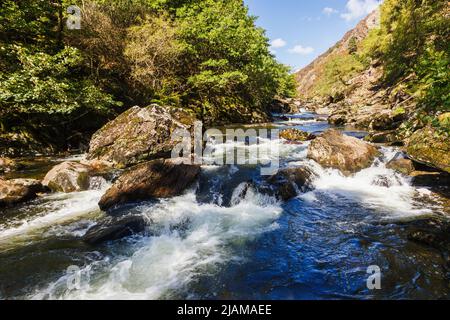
<point>300,30</point>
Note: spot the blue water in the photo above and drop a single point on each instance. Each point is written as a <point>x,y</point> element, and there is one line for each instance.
<point>208,244</point>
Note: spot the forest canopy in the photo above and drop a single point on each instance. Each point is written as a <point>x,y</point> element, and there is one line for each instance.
<point>206,56</point>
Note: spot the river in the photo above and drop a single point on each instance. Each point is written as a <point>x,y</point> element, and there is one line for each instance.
<point>211,244</point>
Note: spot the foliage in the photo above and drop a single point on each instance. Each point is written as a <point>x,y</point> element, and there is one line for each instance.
<point>46,92</point>
<point>352,45</point>
<point>45,84</point>
<point>408,29</point>
<point>413,46</point>
<point>153,52</point>
<point>204,55</point>
<point>337,71</point>
<point>228,58</point>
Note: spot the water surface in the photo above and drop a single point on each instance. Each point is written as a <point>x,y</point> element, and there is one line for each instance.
<point>211,244</point>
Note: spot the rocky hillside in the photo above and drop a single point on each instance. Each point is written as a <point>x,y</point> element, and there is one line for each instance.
<point>342,84</point>
<point>390,79</point>
<point>308,77</point>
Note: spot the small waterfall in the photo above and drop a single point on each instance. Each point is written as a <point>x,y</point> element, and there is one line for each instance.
<point>51,215</point>
<point>377,187</point>
<point>173,258</point>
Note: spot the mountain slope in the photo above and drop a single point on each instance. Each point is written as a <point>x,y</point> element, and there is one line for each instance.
<point>308,77</point>
<point>389,76</point>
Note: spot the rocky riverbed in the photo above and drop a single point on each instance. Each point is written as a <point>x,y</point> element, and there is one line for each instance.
<point>167,230</point>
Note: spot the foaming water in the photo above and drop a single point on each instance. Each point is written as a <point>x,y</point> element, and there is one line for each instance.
<point>51,214</point>
<point>191,239</point>
<point>222,239</point>
<point>377,188</point>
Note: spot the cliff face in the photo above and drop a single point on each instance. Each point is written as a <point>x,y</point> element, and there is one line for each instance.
<point>308,76</point>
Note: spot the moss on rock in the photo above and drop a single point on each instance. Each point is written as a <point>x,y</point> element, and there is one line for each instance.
<point>431,148</point>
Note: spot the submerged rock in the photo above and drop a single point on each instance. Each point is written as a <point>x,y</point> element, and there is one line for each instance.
<point>432,232</point>
<point>19,190</point>
<point>154,179</point>
<point>68,177</point>
<point>430,148</point>
<point>288,182</point>
<point>296,135</point>
<point>138,135</point>
<point>240,192</point>
<point>332,149</point>
<point>114,228</point>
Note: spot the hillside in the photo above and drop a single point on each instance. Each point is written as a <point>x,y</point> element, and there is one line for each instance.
<point>307,77</point>
<point>389,75</point>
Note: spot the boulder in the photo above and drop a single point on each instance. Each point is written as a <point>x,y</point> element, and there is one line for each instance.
<point>338,118</point>
<point>332,149</point>
<point>19,190</point>
<point>114,228</point>
<point>7,165</point>
<point>404,166</point>
<point>431,148</point>
<point>68,177</point>
<point>388,137</point>
<point>286,183</point>
<point>430,179</point>
<point>138,135</point>
<point>296,135</point>
<point>384,121</point>
<point>154,179</point>
<point>280,106</point>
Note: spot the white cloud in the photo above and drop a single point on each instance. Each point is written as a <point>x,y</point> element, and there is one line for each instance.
<point>329,11</point>
<point>278,43</point>
<point>359,8</point>
<point>301,50</point>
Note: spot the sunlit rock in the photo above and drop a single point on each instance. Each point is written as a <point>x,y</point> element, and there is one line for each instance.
<point>332,149</point>
<point>138,135</point>
<point>19,190</point>
<point>430,148</point>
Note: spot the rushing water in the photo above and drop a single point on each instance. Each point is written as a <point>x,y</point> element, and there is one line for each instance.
<point>211,244</point>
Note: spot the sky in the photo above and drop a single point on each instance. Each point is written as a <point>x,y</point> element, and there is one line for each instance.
<point>301,30</point>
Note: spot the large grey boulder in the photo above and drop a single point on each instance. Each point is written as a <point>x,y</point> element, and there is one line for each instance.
<point>68,177</point>
<point>138,135</point>
<point>149,180</point>
<point>335,150</point>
